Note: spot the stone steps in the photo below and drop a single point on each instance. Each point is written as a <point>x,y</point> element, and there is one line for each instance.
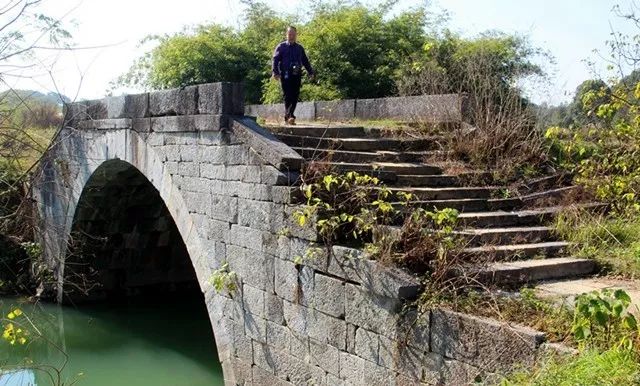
<point>547,182</point>
<point>351,156</point>
<point>447,193</point>
<point>550,195</point>
<point>518,273</point>
<point>512,235</point>
<point>508,232</point>
<point>324,131</point>
<point>517,251</point>
<point>362,144</point>
<point>380,168</point>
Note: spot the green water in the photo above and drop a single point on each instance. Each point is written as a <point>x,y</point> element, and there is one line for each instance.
<point>139,342</point>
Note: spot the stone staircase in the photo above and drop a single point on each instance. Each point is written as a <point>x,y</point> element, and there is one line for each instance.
<point>510,234</point>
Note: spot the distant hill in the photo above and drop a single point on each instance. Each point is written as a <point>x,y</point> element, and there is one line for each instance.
<point>15,97</point>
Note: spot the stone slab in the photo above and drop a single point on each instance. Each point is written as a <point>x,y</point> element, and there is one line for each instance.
<point>177,101</point>
<point>268,147</point>
<point>485,343</point>
<point>189,123</point>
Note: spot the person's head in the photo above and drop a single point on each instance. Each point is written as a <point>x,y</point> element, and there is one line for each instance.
<point>292,34</point>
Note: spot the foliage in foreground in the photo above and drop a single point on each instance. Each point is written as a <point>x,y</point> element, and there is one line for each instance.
<point>589,368</point>
<point>612,240</point>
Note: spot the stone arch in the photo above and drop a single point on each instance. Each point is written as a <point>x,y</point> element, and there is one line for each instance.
<point>68,169</point>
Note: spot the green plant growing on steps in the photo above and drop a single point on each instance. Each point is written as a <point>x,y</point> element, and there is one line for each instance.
<point>222,279</point>
<point>345,207</point>
<point>602,320</point>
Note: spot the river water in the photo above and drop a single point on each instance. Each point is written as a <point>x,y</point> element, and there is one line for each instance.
<point>137,342</point>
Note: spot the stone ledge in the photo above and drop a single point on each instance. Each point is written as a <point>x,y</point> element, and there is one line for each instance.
<point>484,343</point>
<point>106,124</point>
<point>263,142</point>
<point>189,123</point>
<point>354,265</point>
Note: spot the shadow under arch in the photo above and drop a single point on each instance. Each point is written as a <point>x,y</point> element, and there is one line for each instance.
<point>124,244</point>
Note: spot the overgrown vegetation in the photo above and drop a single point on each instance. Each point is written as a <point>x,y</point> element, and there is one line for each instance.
<point>612,240</point>
<point>590,368</point>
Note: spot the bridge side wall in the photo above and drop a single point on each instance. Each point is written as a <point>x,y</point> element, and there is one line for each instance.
<point>333,319</point>
<point>445,108</point>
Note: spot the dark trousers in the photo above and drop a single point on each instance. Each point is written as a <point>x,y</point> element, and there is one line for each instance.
<point>291,90</point>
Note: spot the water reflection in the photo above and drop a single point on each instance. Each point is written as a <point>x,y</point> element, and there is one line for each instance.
<point>140,342</point>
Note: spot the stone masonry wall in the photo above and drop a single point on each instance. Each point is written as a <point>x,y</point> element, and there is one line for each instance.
<point>335,319</point>
<point>446,108</point>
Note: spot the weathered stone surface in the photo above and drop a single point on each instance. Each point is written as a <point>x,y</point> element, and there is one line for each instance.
<point>375,313</point>
<point>246,262</point>
<point>221,98</point>
<point>351,368</point>
<point>315,324</point>
<point>325,356</point>
<point>174,102</point>
<point>328,295</point>
<point>253,300</point>
<point>106,124</point>
<point>336,110</point>
<point>354,265</point>
<point>305,111</point>
<point>266,144</point>
<point>333,318</point>
<point>189,123</point>
<point>481,342</point>
<point>367,345</point>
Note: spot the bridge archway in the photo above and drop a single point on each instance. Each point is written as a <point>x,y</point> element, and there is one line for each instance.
<point>87,173</point>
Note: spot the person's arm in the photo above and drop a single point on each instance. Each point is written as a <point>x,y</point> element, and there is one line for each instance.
<point>306,63</point>
<point>277,58</point>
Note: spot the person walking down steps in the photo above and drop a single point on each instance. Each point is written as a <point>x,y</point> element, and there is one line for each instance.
<point>288,59</point>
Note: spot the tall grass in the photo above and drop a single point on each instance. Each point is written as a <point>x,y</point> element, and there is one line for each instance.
<point>613,241</point>
<point>589,368</point>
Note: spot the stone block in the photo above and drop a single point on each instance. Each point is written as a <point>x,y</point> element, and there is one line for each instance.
<point>306,111</point>
<point>354,265</point>
<point>351,369</point>
<point>137,105</point>
<point>224,208</point>
<point>255,328</point>
<point>189,169</point>
<point>189,123</point>
<point>411,361</point>
<point>212,171</point>
<point>262,215</point>
<point>336,110</point>
<point>244,173</point>
<point>328,295</point>
<point>375,375</point>
<point>316,325</point>
<point>454,372</point>
<point>372,312</point>
<point>325,357</point>
<point>268,147</point>
<point>253,267</point>
<point>278,336</point>
<point>105,124</point>
<point>221,98</point>
<point>286,280</point>
<point>274,308</point>
<point>484,343</point>
<point>253,300</point>
<point>366,345</point>
<point>177,101</point>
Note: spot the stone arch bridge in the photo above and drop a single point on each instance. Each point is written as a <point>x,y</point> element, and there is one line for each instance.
<point>185,166</point>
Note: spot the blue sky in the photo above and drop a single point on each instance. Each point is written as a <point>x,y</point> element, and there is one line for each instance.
<point>569,29</point>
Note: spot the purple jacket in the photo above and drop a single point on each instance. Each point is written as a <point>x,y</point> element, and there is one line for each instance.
<point>285,54</point>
